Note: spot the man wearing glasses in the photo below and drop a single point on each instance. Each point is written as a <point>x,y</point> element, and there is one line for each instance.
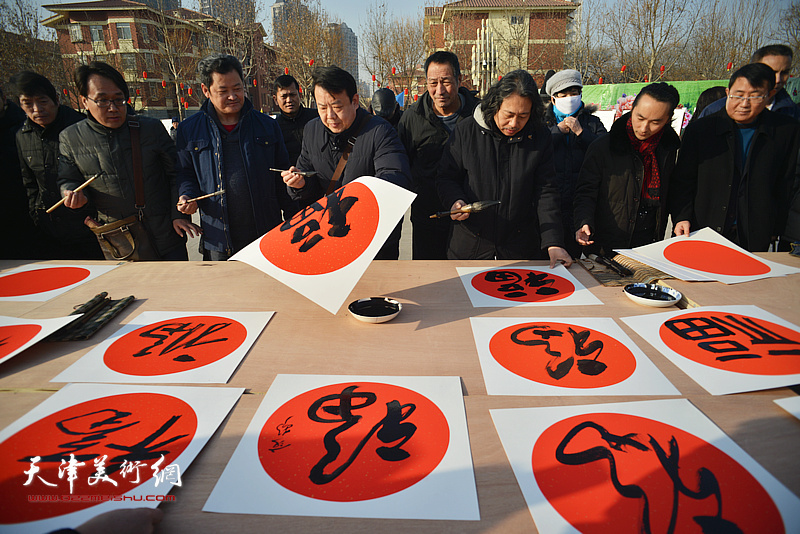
<point>424,129</point>
<point>737,167</point>
<point>102,145</point>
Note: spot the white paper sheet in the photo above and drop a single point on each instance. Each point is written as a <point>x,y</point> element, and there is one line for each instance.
<point>715,355</point>
<point>586,497</point>
<point>791,405</point>
<point>40,282</point>
<point>526,368</point>
<point>705,256</point>
<point>377,489</point>
<point>17,334</point>
<point>331,266</point>
<point>160,347</point>
<point>143,422</point>
<point>537,286</point>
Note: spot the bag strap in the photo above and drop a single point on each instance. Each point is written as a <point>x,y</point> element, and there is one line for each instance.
<point>138,176</point>
<point>337,174</point>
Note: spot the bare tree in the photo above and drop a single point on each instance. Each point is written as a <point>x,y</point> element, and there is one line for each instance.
<point>585,52</point>
<point>790,30</point>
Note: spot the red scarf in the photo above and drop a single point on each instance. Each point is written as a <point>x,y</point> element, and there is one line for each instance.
<point>647,148</point>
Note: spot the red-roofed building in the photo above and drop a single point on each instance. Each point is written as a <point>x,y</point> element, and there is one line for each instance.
<point>157,51</point>
<point>492,37</point>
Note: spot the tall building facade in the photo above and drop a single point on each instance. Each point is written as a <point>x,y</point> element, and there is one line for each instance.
<point>230,11</point>
<point>282,12</point>
<point>349,46</point>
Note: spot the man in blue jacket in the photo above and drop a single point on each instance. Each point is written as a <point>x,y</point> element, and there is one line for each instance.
<point>229,146</point>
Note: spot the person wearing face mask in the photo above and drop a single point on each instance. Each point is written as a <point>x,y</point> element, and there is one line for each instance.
<point>573,127</point>
<point>503,152</point>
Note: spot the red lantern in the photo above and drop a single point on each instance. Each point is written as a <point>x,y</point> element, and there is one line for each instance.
<point>405,91</point>
<point>623,68</point>
<point>499,77</point>
<point>416,97</point>
<point>310,62</point>
<point>394,70</point>
<point>185,105</point>
<point>646,80</point>
<point>255,82</point>
<point>183,100</point>
<point>190,91</point>
<point>662,69</point>
<point>373,77</point>
<point>181,86</point>
<point>730,65</point>
<point>137,92</point>
<point>600,81</point>
<point>286,70</point>
<point>129,101</point>
<point>164,84</point>
<point>66,92</point>
<point>144,75</point>
<point>300,90</point>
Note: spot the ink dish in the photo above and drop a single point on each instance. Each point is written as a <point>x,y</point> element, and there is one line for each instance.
<point>652,295</point>
<point>375,309</point>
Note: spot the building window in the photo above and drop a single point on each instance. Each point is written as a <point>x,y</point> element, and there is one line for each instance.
<point>515,19</point>
<point>123,30</point>
<point>75,33</point>
<point>128,62</point>
<point>97,34</point>
<point>142,32</point>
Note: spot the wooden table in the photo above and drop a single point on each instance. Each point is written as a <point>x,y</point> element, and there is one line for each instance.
<point>432,336</point>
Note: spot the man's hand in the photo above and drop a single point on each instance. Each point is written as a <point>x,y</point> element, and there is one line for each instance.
<point>292,179</point>
<point>182,226</point>
<point>75,200</point>
<point>573,124</point>
<point>128,521</point>
<point>682,228</point>
<point>584,235</point>
<point>563,127</point>
<point>559,255</point>
<point>186,207</point>
<point>457,205</point>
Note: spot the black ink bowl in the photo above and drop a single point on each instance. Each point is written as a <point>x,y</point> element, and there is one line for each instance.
<point>652,295</point>
<point>375,309</point>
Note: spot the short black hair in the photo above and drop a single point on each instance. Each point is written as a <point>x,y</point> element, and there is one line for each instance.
<point>444,57</point>
<point>758,74</point>
<point>29,83</point>
<point>710,95</point>
<point>219,63</point>
<point>661,92</point>
<point>771,50</point>
<point>517,82</point>
<point>105,70</point>
<point>334,80</point>
<point>285,81</point>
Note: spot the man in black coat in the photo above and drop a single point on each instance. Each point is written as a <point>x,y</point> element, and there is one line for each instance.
<point>376,150</point>
<point>424,129</point>
<point>293,116</point>
<point>738,166</point>
<point>62,234</point>
<point>621,197</point>
<point>573,127</point>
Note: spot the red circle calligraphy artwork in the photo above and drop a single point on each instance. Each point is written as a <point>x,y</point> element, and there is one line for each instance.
<point>41,280</point>
<point>175,345</point>
<point>607,472</point>
<point>57,457</point>
<point>353,442</point>
<point>326,236</point>
<point>523,285</point>
<point>562,355</point>
<point>13,337</point>
<point>734,342</point>
<point>713,258</point>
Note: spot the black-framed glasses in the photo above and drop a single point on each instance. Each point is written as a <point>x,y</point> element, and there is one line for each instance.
<point>105,103</point>
<point>754,98</point>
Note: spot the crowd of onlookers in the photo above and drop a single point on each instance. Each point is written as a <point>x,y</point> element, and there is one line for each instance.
<point>565,185</point>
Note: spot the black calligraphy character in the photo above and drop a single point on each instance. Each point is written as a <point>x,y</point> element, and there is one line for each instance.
<point>587,366</point>
<point>304,225</point>
<point>389,429</point>
<point>162,332</point>
<point>612,445</point>
<point>542,282</point>
<point>559,367</point>
<point>282,429</point>
<point>512,288</point>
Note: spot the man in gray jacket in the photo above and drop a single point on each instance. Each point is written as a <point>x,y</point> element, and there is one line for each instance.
<point>102,145</point>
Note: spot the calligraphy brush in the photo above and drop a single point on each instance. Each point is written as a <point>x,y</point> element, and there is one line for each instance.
<point>64,199</point>
<point>195,199</point>
<point>469,208</point>
<point>301,173</point>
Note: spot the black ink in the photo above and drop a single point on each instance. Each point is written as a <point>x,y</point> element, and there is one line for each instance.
<point>163,332</point>
<point>306,227</point>
<point>556,367</point>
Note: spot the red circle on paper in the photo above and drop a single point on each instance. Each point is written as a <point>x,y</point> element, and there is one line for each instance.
<point>586,498</point>
<point>41,280</point>
<point>330,253</point>
<point>195,341</point>
<point>612,365</point>
<point>766,364</point>
<point>87,422</point>
<point>560,288</point>
<point>369,476</point>
<point>713,258</point>
<point>14,336</point>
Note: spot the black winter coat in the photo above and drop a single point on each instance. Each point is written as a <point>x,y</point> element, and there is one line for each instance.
<point>610,186</point>
<point>292,130</point>
<point>708,170</point>
<point>480,163</point>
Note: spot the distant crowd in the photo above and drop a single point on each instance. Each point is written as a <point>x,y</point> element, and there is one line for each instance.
<point>565,185</point>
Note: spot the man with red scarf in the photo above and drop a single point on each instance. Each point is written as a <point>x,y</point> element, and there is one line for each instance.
<point>620,198</point>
